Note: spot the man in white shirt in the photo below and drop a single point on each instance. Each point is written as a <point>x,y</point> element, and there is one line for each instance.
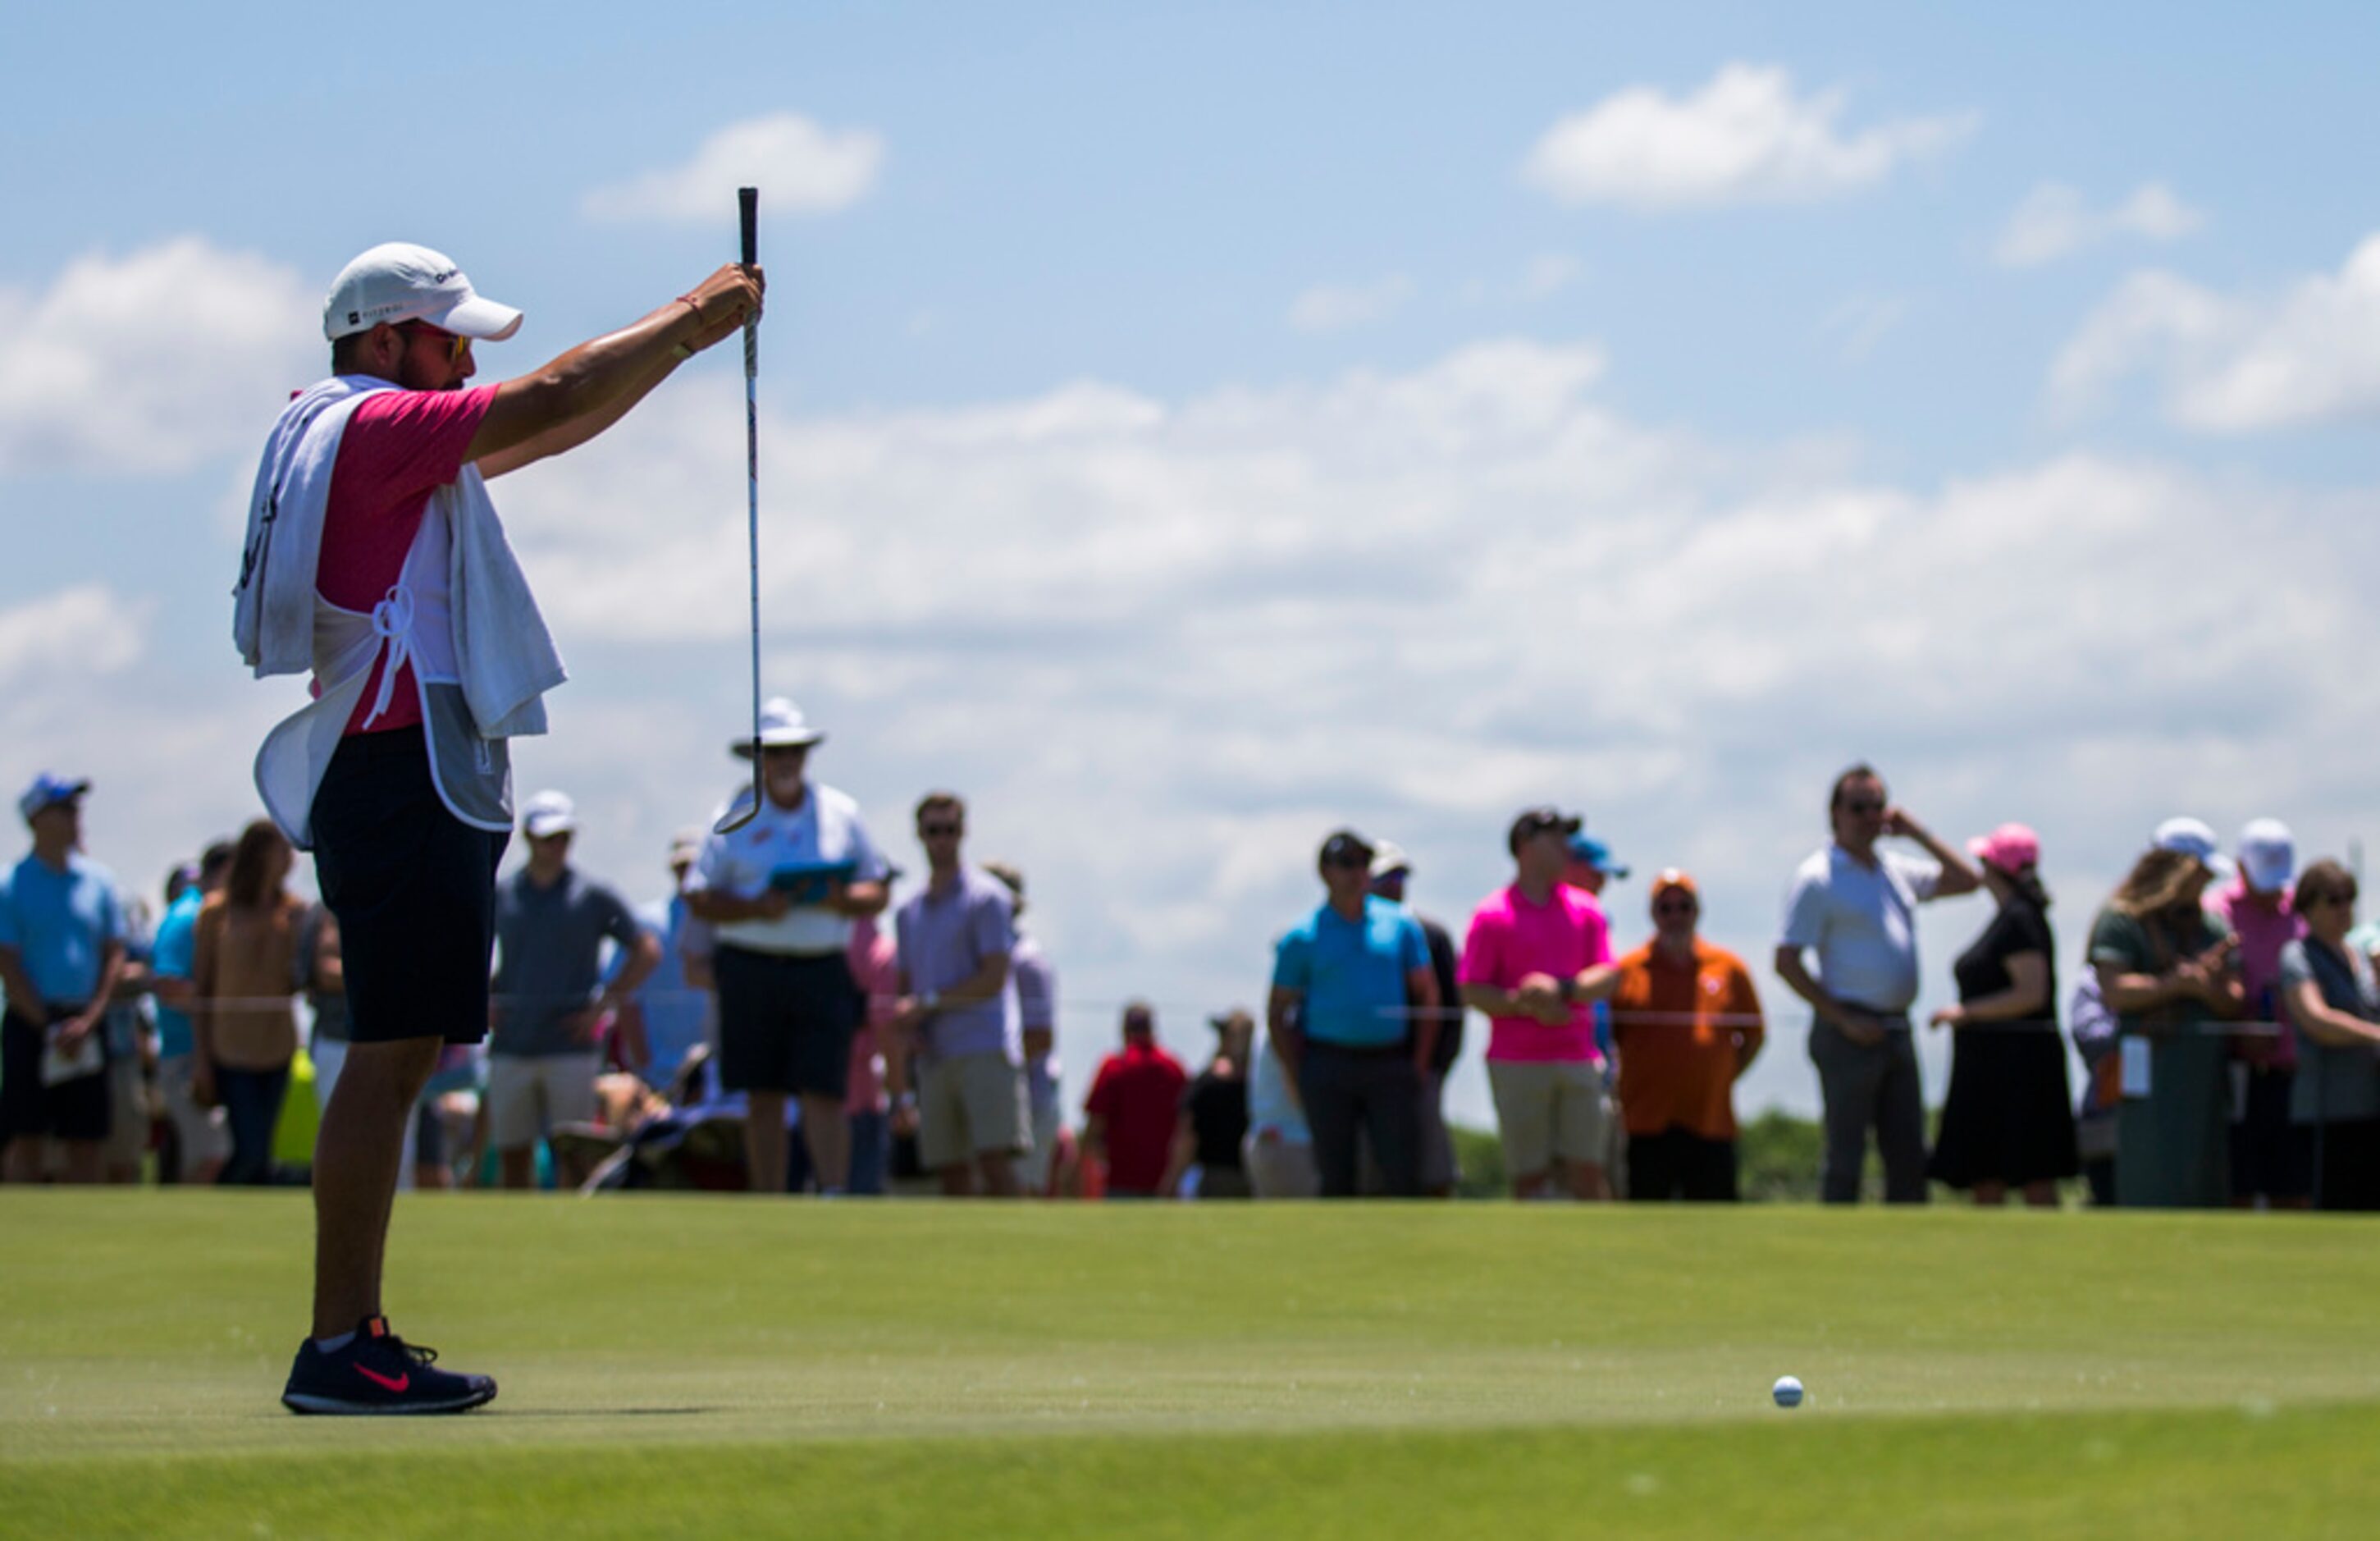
<point>783,892</point>
<point>1855,907</point>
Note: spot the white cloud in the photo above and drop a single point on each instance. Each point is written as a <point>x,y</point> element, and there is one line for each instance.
<point>797,166</point>
<point>151,362</point>
<point>1746,138</point>
<point>2056,221</point>
<point>2235,364</point>
<point>1337,307</point>
<point>78,633</point>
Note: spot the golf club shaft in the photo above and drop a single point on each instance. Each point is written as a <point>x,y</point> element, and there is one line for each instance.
<point>748,207</point>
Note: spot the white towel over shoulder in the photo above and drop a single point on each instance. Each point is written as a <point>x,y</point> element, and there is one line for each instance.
<point>505,656</point>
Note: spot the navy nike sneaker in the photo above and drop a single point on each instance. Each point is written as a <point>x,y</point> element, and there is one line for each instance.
<point>379,1373</point>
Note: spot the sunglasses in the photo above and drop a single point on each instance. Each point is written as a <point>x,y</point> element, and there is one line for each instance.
<point>1675,906</point>
<point>1864,807</point>
<point>457,343</point>
<point>928,832</point>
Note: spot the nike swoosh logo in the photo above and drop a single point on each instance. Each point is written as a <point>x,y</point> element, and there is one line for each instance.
<point>383,1382</point>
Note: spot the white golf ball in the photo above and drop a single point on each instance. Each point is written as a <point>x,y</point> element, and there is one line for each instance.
<point>1788,1391</point>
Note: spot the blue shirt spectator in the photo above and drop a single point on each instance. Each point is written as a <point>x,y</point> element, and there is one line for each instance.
<point>1351,976</point>
<point>678,1013</point>
<point>59,923</point>
<point>176,949</point>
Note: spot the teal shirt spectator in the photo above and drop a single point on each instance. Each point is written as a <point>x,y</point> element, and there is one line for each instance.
<point>59,923</point>
<point>177,943</point>
<point>1352,974</point>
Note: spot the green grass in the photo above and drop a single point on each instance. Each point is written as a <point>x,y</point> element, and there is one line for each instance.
<point>917,1369</point>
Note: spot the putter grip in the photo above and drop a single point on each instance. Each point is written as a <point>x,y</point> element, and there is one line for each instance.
<point>747,204</point>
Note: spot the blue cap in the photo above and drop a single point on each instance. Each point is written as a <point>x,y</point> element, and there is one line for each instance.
<point>1596,854</point>
<point>48,791</point>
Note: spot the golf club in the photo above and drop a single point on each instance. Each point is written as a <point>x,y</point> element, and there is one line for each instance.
<point>747,201</point>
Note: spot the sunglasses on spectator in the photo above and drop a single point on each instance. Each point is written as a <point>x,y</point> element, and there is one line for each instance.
<point>457,343</point>
<point>1863,807</point>
<point>930,831</point>
<point>1675,906</point>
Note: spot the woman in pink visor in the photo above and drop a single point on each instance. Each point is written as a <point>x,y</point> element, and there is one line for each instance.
<point>2007,1122</point>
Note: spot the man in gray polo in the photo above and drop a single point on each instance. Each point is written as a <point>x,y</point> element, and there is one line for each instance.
<point>958,1007</point>
<point>1855,907</point>
<point>551,923</point>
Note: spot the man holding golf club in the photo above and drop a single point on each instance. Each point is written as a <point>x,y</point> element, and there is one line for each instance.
<point>374,560</point>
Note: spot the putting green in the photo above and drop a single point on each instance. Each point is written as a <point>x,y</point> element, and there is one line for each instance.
<point>919,1367</point>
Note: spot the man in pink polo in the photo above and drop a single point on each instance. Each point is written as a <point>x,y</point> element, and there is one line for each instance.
<point>1537,957</point>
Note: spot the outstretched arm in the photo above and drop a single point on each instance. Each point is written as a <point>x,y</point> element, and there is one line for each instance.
<point>594,385</point>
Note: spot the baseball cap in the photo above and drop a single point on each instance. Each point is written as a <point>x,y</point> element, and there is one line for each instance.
<point>783,726</point>
<point>1594,853</point>
<point>1672,878</point>
<point>2268,855</point>
<point>2011,848</point>
<point>1537,821</point>
<point>1346,848</point>
<point>550,813</point>
<point>1389,856</point>
<point>2193,837</point>
<point>397,281</point>
<point>48,791</point>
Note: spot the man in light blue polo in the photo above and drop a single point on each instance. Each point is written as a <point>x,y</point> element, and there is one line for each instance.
<point>1354,1018</point>
<point>61,953</point>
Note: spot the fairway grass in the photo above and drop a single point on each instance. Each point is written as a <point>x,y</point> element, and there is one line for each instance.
<point>921,1368</point>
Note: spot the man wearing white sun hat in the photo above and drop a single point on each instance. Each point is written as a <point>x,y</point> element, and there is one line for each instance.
<point>783,892</point>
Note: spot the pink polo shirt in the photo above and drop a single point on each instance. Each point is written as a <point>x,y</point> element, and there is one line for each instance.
<point>2263,933</point>
<point>1511,939</point>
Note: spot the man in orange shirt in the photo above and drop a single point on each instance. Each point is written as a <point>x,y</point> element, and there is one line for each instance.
<point>1687,1022</point>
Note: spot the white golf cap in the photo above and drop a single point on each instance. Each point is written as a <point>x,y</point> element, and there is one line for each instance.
<point>782,727</point>
<point>2268,855</point>
<point>2193,837</point>
<point>1389,856</point>
<point>550,813</point>
<point>400,282</point>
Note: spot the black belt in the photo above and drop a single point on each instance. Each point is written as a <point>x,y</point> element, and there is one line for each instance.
<point>1362,1050</point>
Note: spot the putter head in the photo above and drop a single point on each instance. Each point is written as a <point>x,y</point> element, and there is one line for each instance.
<point>743,811</point>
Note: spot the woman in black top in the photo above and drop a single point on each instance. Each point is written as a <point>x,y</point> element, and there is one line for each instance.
<point>1215,1116</point>
<point>2007,1122</point>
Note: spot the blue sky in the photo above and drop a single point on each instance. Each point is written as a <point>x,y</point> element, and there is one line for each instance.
<point>1199,425</point>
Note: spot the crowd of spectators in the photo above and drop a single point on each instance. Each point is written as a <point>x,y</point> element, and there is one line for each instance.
<point>777,1021</point>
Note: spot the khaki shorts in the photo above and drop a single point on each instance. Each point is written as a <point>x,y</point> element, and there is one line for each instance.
<point>972,1105</point>
<point>531,1095</point>
<point>1279,1168</point>
<point>1545,1110</point>
<point>198,1131</point>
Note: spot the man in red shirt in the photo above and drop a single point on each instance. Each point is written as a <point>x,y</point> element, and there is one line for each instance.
<point>1133,1103</point>
<point>370,497</point>
<point>1687,1022</point>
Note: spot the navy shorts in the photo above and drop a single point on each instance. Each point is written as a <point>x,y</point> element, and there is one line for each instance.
<point>414,889</point>
<point>76,1110</point>
<point>785,1023</point>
